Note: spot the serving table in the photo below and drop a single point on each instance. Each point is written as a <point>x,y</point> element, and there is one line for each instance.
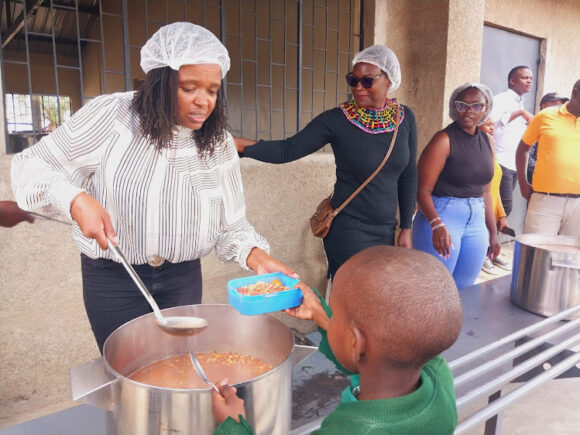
<point>488,315</point>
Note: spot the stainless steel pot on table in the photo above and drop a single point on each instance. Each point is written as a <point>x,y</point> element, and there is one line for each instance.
<point>143,409</point>
<point>546,273</point>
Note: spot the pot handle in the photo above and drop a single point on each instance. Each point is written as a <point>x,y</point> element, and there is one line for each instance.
<point>566,265</point>
<point>91,384</point>
<point>301,352</point>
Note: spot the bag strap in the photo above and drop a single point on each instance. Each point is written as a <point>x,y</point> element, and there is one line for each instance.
<point>368,180</point>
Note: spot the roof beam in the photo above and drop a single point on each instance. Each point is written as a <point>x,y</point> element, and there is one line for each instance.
<point>35,38</point>
<point>30,9</point>
<point>90,10</point>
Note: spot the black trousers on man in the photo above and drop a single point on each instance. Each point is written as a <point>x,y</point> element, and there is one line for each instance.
<point>509,179</point>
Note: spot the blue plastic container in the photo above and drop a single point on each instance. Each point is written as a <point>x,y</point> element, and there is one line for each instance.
<point>267,303</point>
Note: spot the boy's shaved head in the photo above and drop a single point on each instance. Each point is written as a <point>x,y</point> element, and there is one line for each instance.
<point>405,302</point>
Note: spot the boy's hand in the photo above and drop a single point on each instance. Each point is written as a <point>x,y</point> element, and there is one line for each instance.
<point>310,309</point>
<point>228,404</point>
<point>306,309</point>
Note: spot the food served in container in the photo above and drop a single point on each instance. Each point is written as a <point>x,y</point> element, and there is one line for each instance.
<point>178,372</point>
<point>264,293</point>
<point>262,288</point>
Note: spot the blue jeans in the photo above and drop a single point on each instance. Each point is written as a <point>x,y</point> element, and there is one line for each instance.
<point>112,298</point>
<point>464,218</point>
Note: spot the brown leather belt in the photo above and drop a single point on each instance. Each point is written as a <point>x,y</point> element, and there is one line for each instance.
<point>563,195</point>
<point>155,262</point>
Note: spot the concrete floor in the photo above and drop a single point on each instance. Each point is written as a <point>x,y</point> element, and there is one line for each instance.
<point>551,409</point>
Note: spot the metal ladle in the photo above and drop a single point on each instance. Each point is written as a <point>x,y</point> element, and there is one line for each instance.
<point>175,325</point>
<point>199,370</point>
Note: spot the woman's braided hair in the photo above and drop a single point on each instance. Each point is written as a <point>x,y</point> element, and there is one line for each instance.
<point>156,105</point>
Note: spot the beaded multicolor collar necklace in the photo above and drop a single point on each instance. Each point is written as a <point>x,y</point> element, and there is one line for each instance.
<point>373,120</point>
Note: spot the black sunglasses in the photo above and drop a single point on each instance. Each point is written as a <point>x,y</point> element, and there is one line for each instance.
<point>366,81</point>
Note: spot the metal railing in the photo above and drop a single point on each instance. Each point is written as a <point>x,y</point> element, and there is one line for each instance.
<point>557,344</point>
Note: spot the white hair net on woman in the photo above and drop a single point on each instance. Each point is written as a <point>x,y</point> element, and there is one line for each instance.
<point>481,87</point>
<point>180,44</point>
<point>385,59</point>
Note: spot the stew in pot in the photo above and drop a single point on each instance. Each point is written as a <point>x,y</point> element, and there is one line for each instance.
<point>178,372</point>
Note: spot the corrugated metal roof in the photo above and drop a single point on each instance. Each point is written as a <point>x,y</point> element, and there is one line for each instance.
<point>45,19</point>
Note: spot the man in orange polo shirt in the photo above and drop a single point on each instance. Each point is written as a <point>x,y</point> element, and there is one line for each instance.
<point>554,195</point>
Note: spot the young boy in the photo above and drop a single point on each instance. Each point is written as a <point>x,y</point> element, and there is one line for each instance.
<point>394,310</point>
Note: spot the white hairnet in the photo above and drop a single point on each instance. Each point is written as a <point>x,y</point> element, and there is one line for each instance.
<point>484,90</point>
<point>180,44</point>
<point>385,59</point>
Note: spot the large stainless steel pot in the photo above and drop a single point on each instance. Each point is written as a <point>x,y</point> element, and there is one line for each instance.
<point>546,281</point>
<point>142,409</point>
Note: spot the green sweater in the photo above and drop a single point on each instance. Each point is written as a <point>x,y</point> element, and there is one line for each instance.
<point>429,409</point>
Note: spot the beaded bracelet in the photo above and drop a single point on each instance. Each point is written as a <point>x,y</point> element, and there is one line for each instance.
<point>441,225</point>
<point>435,219</point>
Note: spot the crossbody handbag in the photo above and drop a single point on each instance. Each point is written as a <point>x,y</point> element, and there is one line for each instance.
<point>322,218</point>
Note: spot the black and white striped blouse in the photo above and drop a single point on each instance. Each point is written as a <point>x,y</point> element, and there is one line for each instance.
<point>173,204</point>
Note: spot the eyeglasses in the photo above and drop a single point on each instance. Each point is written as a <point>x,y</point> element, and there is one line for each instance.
<point>366,81</point>
<point>462,106</point>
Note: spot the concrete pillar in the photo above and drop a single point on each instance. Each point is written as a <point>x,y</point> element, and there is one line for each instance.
<point>3,132</point>
<point>464,45</point>
<point>416,30</point>
<point>438,43</point>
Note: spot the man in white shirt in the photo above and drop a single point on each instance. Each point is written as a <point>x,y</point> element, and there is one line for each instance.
<point>511,120</point>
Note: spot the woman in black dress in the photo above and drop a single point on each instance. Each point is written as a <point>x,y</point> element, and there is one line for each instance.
<point>359,132</point>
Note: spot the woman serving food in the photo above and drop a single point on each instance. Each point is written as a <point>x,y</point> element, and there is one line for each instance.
<point>155,171</point>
